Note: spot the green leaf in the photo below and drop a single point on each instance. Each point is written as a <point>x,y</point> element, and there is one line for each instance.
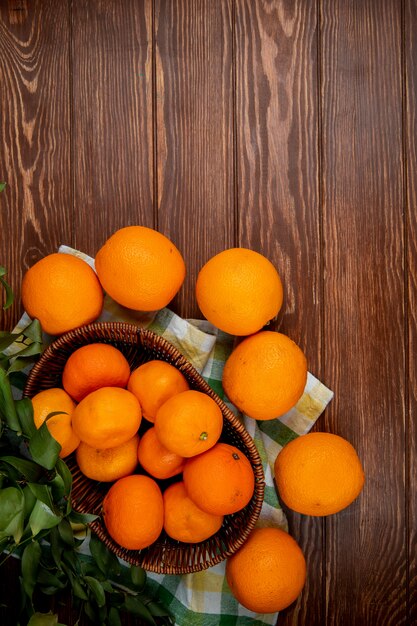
<point>28,469</point>
<point>114,617</point>
<point>31,350</point>
<point>62,469</point>
<point>43,619</point>
<point>81,518</point>
<point>30,565</point>
<point>44,448</point>
<point>65,531</point>
<point>9,293</point>
<point>42,518</point>
<point>18,380</point>
<point>24,411</point>
<point>138,576</point>
<point>157,610</point>
<point>12,511</point>
<point>106,560</point>
<point>42,493</point>
<point>3,186</point>
<point>48,578</point>
<point>7,402</point>
<point>90,612</point>
<point>57,547</point>
<point>78,589</point>
<point>30,501</point>
<point>8,339</point>
<point>58,487</point>
<point>22,358</point>
<point>134,605</point>
<point>97,590</point>
<point>33,331</point>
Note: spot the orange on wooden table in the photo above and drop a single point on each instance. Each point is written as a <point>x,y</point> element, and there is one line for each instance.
<point>133,512</point>
<point>268,572</point>
<point>62,292</point>
<point>265,375</point>
<point>107,417</point>
<point>140,268</point>
<point>318,474</point>
<point>93,366</point>
<point>60,426</point>
<point>189,423</point>
<point>220,481</point>
<point>156,459</point>
<point>184,520</point>
<point>108,464</point>
<point>239,291</point>
<point>153,383</point>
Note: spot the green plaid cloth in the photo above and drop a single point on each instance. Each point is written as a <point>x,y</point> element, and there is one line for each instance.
<point>203,598</point>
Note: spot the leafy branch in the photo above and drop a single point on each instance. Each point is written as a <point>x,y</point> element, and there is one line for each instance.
<point>37,522</point>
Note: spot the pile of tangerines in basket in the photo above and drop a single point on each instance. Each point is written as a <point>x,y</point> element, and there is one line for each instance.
<point>98,411</point>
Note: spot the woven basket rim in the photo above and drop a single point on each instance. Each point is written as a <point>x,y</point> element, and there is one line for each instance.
<point>145,336</point>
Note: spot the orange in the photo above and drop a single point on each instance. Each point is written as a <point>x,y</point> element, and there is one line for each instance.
<point>239,291</point>
<point>93,366</point>
<point>107,417</point>
<point>265,375</point>
<point>62,292</point>
<point>156,459</point>
<point>133,512</point>
<point>268,572</point>
<point>60,426</point>
<point>153,383</point>
<point>140,268</point>
<point>318,474</point>
<point>220,481</point>
<point>184,520</point>
<point>108,464</point>
<point>189,423</point>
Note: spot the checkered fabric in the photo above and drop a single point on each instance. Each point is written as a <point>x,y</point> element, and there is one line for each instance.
<point>203,598</point>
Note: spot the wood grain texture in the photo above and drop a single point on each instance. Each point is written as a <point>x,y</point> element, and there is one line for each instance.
<point>278,196</point>
<point>35,209</point>
<point>194,132</point>
<point>410,58</point>
<point>112,118</point>
<point>361,100</point>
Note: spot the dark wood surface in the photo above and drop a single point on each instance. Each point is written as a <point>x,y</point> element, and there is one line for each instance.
<point>286,126</point>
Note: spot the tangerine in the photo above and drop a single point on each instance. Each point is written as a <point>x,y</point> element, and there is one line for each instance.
<point>189,423</point>
<point>93,366</point>
<point>239,291</point>
<point>265,375</point>
<point>156,459</point>
<point>318,474</point>
<point>60,426</point>
<point>140,268</point>
<point>220,481</point>
<point>153,383</point>
<point>184,520</point>
<point>133,512</point>
<point>108,464</point>
<point>268,572</point>
<point>62,292</point>
<point>107,417</point>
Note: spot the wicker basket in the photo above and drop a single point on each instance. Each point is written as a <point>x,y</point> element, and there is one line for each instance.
<point>165,556</point>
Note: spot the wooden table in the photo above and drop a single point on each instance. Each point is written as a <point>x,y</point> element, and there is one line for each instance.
<point>285,126</point>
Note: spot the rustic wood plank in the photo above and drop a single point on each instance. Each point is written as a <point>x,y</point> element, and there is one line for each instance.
<point>278,196</point>
<point>36,207</point>
<point>364,295</point>
<point>194,132</point>
<point>410,57</point>
<point>112,118</point>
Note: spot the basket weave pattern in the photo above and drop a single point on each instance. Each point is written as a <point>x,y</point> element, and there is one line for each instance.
<point>166,555</point>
